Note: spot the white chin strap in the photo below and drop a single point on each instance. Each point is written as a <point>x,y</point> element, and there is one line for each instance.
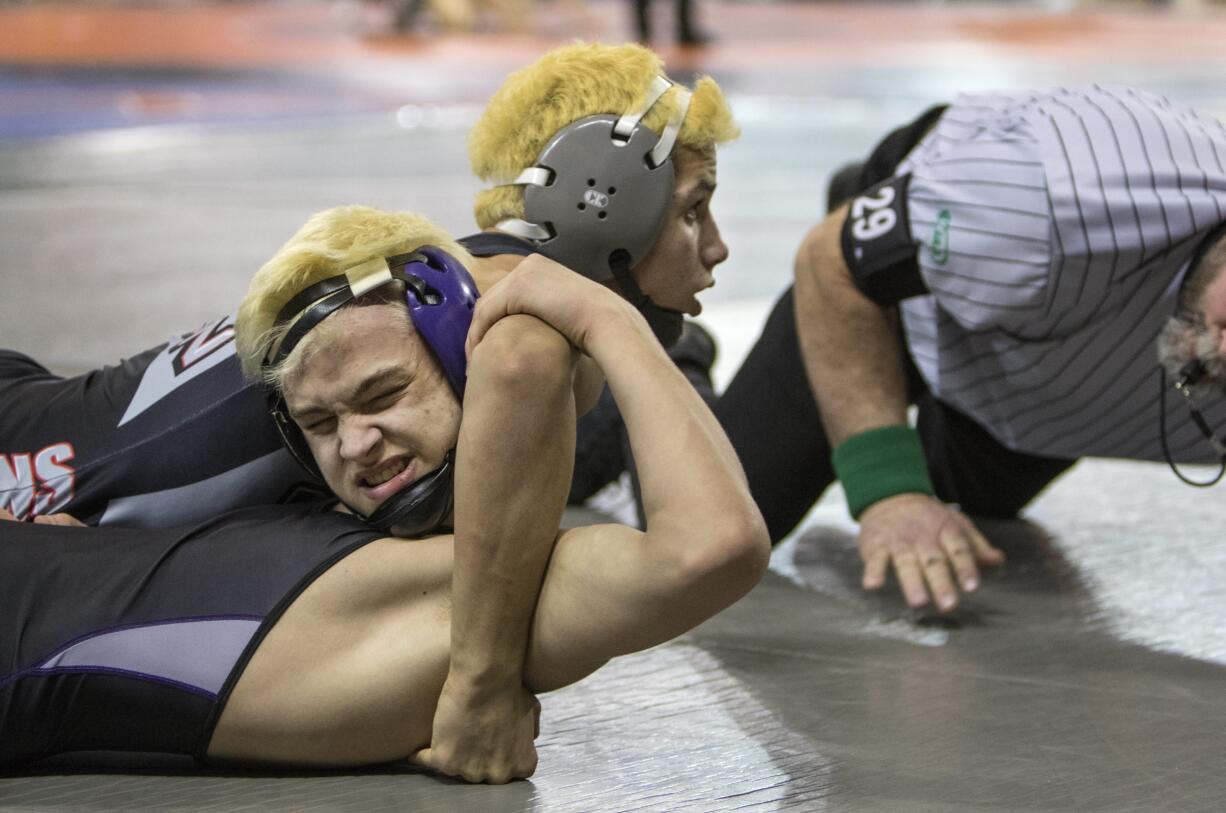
<point>539,176</point>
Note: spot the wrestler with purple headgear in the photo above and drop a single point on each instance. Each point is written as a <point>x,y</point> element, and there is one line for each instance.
<point>440,296</point>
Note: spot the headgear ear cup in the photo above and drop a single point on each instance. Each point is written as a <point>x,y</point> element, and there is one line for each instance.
<point>598,197</point>
<point>443,311</point>
<point>603,196</point>
<point>601,185</point>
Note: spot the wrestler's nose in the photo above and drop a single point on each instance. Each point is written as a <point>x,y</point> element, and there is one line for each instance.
<point>714,250</point>
<point>359,439</point>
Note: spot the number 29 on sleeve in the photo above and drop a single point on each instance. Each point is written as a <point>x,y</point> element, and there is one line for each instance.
<point>872,215</point>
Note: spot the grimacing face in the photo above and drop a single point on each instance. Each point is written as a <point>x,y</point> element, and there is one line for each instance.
<point>373,404</point>
<point>681,261</point>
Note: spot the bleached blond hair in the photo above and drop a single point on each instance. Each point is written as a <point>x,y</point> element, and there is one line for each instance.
<point>568,84</point>
<point>331,242</point>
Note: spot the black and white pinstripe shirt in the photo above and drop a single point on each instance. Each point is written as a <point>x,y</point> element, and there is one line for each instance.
<point>1054,230</point>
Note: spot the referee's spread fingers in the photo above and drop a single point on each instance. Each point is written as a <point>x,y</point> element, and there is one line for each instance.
<point>874,569</point>
<point>911,579</point>
<point>964,568</point>
<point>936,573</point>
<point>958,544</point>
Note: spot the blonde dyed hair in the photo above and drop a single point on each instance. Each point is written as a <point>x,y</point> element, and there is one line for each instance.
<point>330,242</point>
<point>568,84</point>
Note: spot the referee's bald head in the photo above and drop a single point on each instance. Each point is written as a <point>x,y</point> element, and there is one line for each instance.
<point>1214,257</point>
<point>1197,330</point>
<point>1207,265</point>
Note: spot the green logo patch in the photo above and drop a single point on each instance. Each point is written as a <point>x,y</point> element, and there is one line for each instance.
<point>939,244</point>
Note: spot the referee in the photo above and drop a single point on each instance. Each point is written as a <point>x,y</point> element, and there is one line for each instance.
<point>1014,265</point>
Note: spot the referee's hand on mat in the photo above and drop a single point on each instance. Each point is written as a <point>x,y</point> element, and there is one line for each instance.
<point>934,549</point>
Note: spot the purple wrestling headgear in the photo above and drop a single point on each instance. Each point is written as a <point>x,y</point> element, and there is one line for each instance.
<point>440,295</point>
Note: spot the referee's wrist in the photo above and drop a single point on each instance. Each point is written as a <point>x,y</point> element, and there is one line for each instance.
<point>880,463</point>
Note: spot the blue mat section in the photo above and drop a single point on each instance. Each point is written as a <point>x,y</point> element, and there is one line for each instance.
<point>36,103</point>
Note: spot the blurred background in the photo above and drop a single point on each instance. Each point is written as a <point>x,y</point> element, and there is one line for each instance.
<point>153,154</point>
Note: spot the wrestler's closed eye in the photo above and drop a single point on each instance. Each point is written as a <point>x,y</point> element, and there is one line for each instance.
<point>319,426</point>
<point>386,398</point>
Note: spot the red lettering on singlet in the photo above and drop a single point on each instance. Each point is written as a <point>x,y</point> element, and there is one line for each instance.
<point>35,484</point>
<point>200,345</point>
<point>16,484</point>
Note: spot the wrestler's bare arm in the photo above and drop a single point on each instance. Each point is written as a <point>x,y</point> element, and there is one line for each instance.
<point>46,519</point>
<point>612,589</point>
<point>513,471</point>
<point>589,381</point>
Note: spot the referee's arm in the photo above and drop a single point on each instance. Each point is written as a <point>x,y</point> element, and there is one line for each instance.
<point>853,356</point>
<point>851,345</point>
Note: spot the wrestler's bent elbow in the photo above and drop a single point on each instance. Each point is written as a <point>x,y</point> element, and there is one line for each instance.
<point>524,356</point>
<point>726,556</point>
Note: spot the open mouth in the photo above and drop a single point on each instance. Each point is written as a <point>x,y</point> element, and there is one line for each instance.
<point>379,484</point>
<point>695,305</point>
<point>386,473</point>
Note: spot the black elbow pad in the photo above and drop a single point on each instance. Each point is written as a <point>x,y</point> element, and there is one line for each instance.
<point>877,244</point>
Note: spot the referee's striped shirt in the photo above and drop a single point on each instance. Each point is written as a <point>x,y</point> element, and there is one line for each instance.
<point>1054,231</point>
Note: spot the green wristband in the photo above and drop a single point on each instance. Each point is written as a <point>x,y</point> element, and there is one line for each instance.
<point>880,463</point>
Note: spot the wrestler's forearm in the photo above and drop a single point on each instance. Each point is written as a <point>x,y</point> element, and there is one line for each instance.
<point>613,589</point>
<point>850,344</point>
<point>589,382</point>
<point>515,455</point>
<point>692,483</point>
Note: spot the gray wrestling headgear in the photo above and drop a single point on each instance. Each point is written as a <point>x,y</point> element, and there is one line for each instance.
<point>598,196</point>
